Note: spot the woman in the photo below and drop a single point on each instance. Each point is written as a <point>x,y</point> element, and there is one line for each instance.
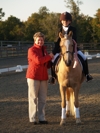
<point>37,76</point>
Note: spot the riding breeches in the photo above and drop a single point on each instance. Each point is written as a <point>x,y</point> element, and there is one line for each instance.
<point>82,55</point>
<point>37,93</point>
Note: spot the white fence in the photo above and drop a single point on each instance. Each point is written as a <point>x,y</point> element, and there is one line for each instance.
<point>20,68</point>
<point>92,56</point>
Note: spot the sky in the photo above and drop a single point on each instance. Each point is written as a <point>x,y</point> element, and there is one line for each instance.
<point>22,9</point>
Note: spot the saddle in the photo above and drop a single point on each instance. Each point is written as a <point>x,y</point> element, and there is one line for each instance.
<point>56,62</point>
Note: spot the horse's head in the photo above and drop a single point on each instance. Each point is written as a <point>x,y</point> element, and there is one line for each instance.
<point>67,47</point>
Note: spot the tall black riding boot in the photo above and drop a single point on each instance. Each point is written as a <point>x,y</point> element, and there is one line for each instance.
<point>88,76</point>
<point>52,79</point>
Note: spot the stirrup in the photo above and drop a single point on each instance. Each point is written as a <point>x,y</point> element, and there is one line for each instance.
<point>88,78</point>
<point>52,80</point>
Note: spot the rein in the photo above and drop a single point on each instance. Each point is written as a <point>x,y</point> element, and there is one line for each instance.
<point>62,54</point>
<point>69,51</point>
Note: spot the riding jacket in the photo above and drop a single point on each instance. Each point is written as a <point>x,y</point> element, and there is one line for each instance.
<point>57,46</point>
<point>38,62</point>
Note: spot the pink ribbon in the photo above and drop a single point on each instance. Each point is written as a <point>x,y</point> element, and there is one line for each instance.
<point>75,55</point>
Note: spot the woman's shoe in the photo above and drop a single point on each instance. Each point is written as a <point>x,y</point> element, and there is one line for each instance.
<point>43,122</point>
<point>34,123</point>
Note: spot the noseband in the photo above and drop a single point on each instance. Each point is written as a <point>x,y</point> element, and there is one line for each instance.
<point>67,53</point>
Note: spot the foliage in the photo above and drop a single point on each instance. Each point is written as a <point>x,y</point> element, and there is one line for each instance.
<point>11,29</point>
<point>2,14</point>
<point>88,28</point>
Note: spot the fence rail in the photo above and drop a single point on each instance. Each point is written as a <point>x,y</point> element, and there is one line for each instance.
<point>15,49</point>
<point>19,48</point>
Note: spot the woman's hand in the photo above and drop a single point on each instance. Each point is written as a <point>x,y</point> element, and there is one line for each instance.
<point>52,55</point>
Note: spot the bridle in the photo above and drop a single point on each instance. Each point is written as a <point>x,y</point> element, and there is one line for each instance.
<point>62,54</point>
<point>68,52</point>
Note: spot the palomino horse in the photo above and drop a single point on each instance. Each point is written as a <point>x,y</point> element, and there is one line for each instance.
<point>69,78</point>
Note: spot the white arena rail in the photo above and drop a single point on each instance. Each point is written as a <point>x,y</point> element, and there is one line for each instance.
<point>91,56</point>
<point>20,68</point>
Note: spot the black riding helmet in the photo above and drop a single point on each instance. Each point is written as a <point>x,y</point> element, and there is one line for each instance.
<point>66,16</point>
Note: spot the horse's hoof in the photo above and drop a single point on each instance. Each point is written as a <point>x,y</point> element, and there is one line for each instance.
<point>63,122</point>
<point>68,113</point>
<point>78,120</point>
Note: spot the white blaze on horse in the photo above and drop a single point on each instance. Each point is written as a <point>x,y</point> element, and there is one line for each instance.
<point>70,78</point>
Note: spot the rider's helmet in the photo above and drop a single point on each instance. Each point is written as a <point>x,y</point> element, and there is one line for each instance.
<point>66,16</point>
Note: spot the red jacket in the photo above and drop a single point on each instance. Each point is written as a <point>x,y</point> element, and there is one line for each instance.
<point>37,63</point>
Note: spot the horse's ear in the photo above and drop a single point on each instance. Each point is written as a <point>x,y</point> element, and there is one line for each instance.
<point>61,35</point>
<point>70,33</point>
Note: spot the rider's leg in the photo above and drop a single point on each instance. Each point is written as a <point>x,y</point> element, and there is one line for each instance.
<point>85,67</point>
<point>53,77</point>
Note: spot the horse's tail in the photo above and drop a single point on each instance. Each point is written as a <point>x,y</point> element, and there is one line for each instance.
<point>72,102</point>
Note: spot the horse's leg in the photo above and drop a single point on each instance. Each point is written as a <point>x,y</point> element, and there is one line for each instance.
<point>63,105</point>
<point>76,106</point>
<point>67,102</point>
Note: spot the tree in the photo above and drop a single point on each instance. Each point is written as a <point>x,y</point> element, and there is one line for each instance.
<point>43,10</point>
<point>96,26</point>
<point>48,23</point>
<point>74,7</point>
<point>42,21</point>
<point>2,14</point>
<point>32,25</point>
<point>97,18</point>
<point>80,21</point>
<point>50,26</point>
<point>11,29</point>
